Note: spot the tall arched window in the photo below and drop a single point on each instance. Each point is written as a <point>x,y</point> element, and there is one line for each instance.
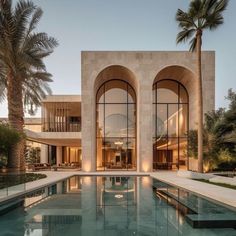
<point>116,126</point>
<point>170,133</point>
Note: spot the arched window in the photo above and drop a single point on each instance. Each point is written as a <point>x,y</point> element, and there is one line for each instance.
<point>116,126</point>
<point>170,132</point>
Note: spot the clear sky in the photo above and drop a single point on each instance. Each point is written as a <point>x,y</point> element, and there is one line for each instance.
<point>126,25</point>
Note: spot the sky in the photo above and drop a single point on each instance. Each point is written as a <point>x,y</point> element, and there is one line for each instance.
<point>81,25</point>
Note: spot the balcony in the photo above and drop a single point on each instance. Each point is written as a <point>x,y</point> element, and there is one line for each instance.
<point>61,127</point>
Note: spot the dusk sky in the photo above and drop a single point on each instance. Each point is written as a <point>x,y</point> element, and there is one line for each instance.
<point>126,25</point>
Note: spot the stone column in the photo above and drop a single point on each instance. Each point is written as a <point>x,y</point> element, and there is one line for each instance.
<point>44,154</point>
<point>144,127</point>
<point>59,155</point>
<point>88,113</point>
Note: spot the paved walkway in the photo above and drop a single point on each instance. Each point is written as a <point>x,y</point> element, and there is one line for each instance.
<point>221,194</point>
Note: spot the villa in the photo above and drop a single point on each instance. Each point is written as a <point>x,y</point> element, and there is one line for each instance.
<point>134,113</point>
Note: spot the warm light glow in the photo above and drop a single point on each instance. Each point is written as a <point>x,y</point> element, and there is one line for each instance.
<point>87,180</point>
<point>145,166</point>
<point>86,167</point>
<point>119,143</point>
<point>206,167</point>
<point>37,218</point>
<point>119,196</point>
<point>181,220</point>
<point>145,181</point>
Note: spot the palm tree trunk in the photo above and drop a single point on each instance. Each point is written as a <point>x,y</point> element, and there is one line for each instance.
<point>200,102</point>
<point>16,120</point>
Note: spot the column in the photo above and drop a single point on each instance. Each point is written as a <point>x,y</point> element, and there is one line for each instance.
<point>144,126</point>
<point>59,155</point>
<point>44,154</point>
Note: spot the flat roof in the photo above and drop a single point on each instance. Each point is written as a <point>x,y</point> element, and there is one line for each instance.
<point>62,98</point>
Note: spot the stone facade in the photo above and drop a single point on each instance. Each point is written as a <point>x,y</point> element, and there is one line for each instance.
<point>141,69</point>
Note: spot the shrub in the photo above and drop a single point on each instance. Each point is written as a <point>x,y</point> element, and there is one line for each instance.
<point>8,137</point>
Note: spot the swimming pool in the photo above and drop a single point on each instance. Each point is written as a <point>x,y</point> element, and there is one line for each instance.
<point>89,205</point>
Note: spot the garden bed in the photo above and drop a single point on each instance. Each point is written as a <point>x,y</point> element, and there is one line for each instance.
<point>12,180</point>
<point>218,184</point>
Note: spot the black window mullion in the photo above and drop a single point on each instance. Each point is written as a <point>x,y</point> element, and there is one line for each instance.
<point>127,127</point>
<point>178,121</point>
<point>156,123</point>
<point>104,131</point>
<point>167,128</point>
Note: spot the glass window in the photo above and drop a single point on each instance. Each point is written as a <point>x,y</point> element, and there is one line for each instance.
<point>116,120</point>
<point>173,120</point>
<point>161,120</point>
<point>183,94</point>
<point>183,120</point>
<point>167,91</point>
<point>116,92</point>
<point>170,113</point>
<point>100,120</point>
<point>131,95</point>
<point>131,120</point>
<point>116,124</point>
<point>115,153</point>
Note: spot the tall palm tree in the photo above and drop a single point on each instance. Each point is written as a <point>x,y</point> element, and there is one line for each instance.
<point>23,75</point>
<point>202,15</point>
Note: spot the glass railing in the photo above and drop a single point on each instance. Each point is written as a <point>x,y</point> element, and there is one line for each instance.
<point>11,184</point>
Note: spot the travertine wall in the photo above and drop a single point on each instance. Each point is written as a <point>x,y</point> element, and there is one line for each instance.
<point>145,67</point>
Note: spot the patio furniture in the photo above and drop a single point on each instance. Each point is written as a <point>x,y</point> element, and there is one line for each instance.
<point>38,166</point>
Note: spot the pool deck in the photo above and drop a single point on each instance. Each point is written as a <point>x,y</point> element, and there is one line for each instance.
<point>221,194</point>
<point>217,193</point>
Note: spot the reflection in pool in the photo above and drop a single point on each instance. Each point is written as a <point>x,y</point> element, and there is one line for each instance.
<point>112,206</point>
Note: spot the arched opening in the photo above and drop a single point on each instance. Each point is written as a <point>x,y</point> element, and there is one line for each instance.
<point>170,125</point>
<point>116,125</point>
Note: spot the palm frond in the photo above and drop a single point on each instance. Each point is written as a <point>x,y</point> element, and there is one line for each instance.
<point>193,44</point>
<point>34,91</point>
<point>35,20</point>
<point>43,76</point>
<point>40,40</point>
<point>3,87</point>
<point>22,13</point>
<point>195,8</point>
<point>201,15</point>
<point>29,60</point>
<point>184,20</point>
<point>213,21</point>
<point>214,17</point>
<point>22,51</point>
<point>184,35</point>
<point>221,5</point>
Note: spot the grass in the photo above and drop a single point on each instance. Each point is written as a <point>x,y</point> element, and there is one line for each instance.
<point>218,184</point>
<point>12,180</point>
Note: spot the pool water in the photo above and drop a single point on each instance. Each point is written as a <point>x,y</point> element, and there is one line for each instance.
<point>112,206</point>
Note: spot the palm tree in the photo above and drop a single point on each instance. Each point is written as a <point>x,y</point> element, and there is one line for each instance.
<point>23,75</point>
<point>202,15</point>
<point>219,137</point>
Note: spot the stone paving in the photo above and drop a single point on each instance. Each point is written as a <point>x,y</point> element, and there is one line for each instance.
<point>221,194</point>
